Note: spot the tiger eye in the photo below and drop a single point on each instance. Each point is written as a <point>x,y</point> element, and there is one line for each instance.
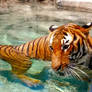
<point>51,48</point>
<point>65,47</point>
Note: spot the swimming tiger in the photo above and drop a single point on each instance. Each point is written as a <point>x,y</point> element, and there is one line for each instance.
<point>64,47</point>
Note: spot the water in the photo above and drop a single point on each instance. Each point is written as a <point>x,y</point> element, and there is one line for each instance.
<point>24,23</point>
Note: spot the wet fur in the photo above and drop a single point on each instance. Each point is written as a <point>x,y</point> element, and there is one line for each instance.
<point>46,48</point>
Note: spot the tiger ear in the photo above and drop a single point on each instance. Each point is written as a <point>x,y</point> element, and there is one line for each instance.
<point>52,28</point>
<point>86,28</point>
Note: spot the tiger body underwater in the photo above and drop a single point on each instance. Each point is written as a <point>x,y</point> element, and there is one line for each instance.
<point>64,47</point>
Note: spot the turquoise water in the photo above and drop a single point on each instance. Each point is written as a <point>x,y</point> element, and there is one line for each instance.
<point>17,27</point>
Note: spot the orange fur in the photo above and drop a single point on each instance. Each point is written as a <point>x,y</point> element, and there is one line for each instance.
<point>19,56</point>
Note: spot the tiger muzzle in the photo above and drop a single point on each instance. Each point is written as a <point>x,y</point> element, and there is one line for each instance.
<point>59,62</point>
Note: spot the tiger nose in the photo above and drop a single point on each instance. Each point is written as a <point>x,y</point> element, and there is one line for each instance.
<point>59,68</point>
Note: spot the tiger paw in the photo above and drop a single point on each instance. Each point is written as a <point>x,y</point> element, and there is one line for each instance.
<point>34,86</point>
<point>29,81</point>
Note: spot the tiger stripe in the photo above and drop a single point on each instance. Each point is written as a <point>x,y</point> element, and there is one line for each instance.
<point>45,47</point>
<point>22,47</point>
<point>30,49</point>
<point>2,49</point>
<point>37,49</point>
<point>41,52</point>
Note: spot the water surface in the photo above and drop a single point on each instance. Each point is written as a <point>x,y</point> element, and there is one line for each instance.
<point>24,23</point>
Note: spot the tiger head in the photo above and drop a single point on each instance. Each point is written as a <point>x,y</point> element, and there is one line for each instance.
<point>65,39</point>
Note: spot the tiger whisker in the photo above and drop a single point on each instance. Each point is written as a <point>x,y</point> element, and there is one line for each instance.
<point>65,72</point>
<point>75,73</point>
<point>80,71</point>
<point>71,73</point>
<point>76,76</point>
<point>68,72</point>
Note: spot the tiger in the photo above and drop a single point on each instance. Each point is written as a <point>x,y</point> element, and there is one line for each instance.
<point>65,46</point>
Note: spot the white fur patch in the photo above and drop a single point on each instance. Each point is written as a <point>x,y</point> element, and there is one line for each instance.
<point>67,39</point>
<point>51,39</point>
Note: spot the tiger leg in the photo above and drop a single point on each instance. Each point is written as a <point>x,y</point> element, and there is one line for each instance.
<point>19,71</point>
<point>19,62</point>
